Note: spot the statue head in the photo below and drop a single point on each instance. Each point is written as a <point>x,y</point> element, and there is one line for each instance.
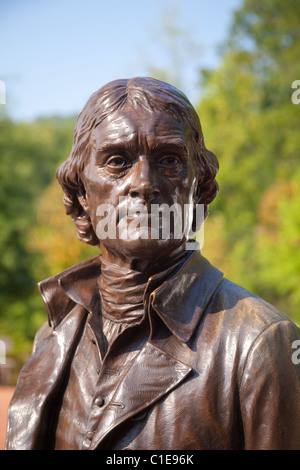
<point>138,113</point>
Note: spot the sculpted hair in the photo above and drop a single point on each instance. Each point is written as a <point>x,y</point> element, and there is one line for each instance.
<point>151,95</point>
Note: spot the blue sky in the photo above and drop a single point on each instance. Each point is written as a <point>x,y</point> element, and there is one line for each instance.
<point>56,53</point>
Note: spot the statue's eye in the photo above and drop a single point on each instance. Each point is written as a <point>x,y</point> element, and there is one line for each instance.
<point>169,161</point>
<point>117,161</point>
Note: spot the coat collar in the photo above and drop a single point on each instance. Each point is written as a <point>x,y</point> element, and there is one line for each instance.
<point>76,284</point>
<point>179,301</point>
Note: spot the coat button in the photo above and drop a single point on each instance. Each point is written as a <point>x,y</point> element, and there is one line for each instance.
<point>90,435</point>
<point>99,401</point>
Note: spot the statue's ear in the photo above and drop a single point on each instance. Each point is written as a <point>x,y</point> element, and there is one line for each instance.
<point>83,201</point>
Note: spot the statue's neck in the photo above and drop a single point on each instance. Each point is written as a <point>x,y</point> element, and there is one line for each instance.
<point>122,288</point>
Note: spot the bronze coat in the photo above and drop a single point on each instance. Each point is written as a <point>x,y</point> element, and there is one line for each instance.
<point>215,373</point>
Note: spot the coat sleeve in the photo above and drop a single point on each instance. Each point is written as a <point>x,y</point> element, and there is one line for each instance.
<point>270,390</point>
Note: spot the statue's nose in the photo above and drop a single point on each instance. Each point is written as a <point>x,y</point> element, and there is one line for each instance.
<point>144,184</point>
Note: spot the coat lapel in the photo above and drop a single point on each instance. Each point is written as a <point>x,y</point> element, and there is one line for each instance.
<point>181,301</point>
<point>40,377</point>
<point>153,374</point>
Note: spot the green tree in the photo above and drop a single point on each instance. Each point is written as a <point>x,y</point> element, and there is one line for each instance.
<point>252,125</point>
<point>30,153</point>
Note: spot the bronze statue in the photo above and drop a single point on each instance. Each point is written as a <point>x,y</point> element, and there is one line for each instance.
<point>147,345</point>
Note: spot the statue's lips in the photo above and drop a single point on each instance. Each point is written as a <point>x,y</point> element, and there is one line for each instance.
<point>155,219</point>
<point>143,219</point>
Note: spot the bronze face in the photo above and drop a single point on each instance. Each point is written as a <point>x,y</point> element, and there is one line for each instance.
<point>139,158</point>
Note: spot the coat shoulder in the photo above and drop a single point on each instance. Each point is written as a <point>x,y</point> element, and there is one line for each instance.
<point>245,307</point>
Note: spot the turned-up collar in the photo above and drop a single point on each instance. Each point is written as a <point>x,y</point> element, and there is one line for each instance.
<point>179,301</point>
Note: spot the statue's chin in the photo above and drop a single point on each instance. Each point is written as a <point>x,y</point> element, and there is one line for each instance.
<point>138,247</point>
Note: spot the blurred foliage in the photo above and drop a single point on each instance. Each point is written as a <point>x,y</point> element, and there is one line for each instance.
<point>54,236</point>
<point>30,153</point>
<point>249,121</point>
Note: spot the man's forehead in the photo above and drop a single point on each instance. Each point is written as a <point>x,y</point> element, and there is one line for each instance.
<point>126,126</point>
